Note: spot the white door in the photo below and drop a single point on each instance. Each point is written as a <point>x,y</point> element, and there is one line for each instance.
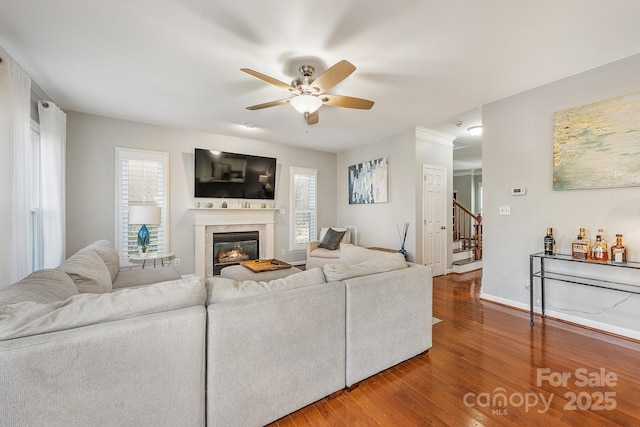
<point>434,216</point>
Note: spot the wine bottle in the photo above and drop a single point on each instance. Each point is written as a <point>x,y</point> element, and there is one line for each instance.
<point>618,251</point>
<point>599,251</point>
<point>580,247</point>
<point>549,242</point>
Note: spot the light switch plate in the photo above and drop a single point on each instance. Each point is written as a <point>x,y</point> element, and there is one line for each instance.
<point>504,210</point>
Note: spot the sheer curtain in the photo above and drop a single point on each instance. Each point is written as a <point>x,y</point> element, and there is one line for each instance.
<point>15,213</point>
<point>53,137</point>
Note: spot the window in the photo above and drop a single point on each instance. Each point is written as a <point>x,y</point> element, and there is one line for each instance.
<point>141,179</point>
<point>303,207</point>
<point>33,175</point>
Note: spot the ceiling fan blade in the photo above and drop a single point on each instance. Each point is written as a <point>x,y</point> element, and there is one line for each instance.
<point>333,76</point>
<point>346,102</point>
<point>271,80</point>
<point>268,104</point>
<point>312,118</point>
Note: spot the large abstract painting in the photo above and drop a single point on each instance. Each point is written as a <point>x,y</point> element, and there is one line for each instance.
<point>597,145</point>
<point>368,182</point>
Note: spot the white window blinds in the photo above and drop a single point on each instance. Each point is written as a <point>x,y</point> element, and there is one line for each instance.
<point>303,207</point>
<point>142,180</point>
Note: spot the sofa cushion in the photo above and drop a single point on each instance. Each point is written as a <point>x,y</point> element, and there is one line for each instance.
<point>222,289</point>
<point>351,254</point>
<point>325,253</point>
<point>88,272</point>
<point>30,318</point>
<point>43,286</point>
<point>144,276</point>
<point>332,239</point>
<point>109,255</point>
<point>383,262</point>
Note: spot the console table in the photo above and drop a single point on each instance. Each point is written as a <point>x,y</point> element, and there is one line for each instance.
<point>544,274</point>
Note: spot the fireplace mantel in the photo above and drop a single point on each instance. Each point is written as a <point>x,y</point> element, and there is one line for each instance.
<point>208,220</point>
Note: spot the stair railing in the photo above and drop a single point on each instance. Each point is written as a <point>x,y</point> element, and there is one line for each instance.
<point>467,228</point>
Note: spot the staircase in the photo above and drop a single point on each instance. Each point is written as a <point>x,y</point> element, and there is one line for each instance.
<point>467,240</point>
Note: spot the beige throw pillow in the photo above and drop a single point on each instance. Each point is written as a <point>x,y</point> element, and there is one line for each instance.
<point>88,272</point>
<point>43,286</point>
<point>109,255</point>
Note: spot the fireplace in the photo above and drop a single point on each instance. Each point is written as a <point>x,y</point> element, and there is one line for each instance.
<point>210,221</point>
<point>233,248</point>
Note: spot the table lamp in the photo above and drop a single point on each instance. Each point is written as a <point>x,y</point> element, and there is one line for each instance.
<point>144,215</point>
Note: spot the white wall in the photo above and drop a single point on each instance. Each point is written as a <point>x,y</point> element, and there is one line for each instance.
<point>378,223</point>
<point>518,152</point>
<point>91,142</point>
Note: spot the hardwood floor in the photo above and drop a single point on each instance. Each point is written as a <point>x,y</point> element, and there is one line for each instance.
<point>488,367</point>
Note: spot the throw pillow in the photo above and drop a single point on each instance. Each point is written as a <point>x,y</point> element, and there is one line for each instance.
<point>331,239</point>
<point>88,271</point>
<point>109,255</point>
<point>43,286</point>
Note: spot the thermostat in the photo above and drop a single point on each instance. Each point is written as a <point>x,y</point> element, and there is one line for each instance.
<point>520,191</point>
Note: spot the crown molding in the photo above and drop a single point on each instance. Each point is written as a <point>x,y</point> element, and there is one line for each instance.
<point>424,134</point>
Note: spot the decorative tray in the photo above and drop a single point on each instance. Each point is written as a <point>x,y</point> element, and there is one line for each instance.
<point>262,265</point>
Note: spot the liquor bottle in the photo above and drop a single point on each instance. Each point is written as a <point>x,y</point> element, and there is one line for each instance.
<point>549,242</point>
<point>618,251</point>
<point>599,251</point>
<point>581,246</point>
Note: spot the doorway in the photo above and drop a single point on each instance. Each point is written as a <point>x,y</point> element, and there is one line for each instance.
<point>435,212</point>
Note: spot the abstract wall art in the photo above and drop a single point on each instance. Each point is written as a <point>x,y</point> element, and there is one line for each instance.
<point>368,182</point>
<point>597,145</point>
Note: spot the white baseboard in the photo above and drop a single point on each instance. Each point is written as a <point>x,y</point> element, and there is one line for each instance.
<point>606,327</point>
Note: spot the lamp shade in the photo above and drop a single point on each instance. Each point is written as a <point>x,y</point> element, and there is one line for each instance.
<point>306,103</point>
<point>144,215</point>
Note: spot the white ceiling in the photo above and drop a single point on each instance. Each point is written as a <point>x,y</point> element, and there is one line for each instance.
<point>177,62</point>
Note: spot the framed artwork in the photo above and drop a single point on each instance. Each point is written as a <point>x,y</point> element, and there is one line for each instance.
<point>368,182</point>
<point>597,145</point>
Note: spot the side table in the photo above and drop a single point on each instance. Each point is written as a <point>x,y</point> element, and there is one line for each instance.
<point>151,256</point>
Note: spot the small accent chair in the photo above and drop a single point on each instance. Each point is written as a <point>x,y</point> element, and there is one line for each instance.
<point>318,257</point>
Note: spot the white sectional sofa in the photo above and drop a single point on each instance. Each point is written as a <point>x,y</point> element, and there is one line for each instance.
<point>75,353</point>
<point>75,350</point>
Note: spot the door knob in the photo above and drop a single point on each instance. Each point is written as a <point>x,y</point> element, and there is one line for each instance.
<point>443,227</point>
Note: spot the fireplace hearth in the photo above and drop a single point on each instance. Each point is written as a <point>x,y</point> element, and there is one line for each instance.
<point>231,248</point>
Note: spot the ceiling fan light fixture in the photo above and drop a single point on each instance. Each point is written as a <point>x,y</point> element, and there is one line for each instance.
<point>475,130</point>
<point>306,103</point>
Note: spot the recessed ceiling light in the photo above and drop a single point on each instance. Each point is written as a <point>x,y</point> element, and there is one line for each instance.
<point>475,130</point>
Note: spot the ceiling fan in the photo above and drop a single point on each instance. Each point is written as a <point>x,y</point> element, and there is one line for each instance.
<point>309,92</point>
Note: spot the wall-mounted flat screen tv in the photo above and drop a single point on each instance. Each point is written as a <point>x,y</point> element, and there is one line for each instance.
<point>229,175</point>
